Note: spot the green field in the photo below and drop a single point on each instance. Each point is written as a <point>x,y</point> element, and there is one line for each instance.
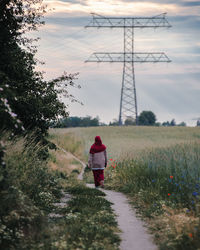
<point>157,167</point>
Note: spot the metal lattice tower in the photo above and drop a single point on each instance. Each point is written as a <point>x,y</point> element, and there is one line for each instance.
<point>128,101</point>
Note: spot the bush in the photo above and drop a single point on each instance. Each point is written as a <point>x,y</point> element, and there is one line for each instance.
<point>30,191</point>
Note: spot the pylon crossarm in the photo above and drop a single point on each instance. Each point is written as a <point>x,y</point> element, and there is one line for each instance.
<point>129,57</point>
<point>133,22</point>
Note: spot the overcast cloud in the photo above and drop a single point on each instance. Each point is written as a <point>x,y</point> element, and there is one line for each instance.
<point>169,90</point>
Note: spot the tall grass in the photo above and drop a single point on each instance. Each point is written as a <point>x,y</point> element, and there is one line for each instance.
<point>28,194</point>
<point>171,174</point>
<point>123,142</point>
<point>164,184</point>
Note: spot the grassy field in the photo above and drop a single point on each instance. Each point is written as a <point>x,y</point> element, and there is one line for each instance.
<point>158,167</point>
<point>123,142</point>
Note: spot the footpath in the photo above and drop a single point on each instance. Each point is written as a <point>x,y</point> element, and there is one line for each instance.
<point>134,235</point>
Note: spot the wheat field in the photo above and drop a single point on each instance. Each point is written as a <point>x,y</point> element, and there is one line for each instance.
<point>123,142</point>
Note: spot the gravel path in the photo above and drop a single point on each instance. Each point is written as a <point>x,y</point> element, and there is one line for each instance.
<point>134,235</point>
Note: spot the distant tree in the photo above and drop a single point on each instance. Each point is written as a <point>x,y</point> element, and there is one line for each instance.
<point>173,122</point>
<point>182,124</point>
<point>75,121</point>
<point>129,121</point>
<point>166,124</point>
<point>115,122</point>
<point>102,124</point>
<point>157,124</point>
<point>198,123</point>
<point>147,118</point>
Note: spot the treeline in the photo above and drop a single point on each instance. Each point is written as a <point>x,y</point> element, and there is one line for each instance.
<point>76,121</point>
<point>146,118</point>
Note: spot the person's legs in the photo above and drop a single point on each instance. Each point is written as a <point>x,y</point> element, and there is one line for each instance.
<point>96,179</point>
<point>101,177</point>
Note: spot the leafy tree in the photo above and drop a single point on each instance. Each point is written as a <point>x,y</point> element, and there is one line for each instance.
<point>75,121</point>
<point>157,124</point>
<point>166,124</point>
<point>173,122</point>
<point>129,121</point>
<point>26,98</point>
<point>182,124</point>
<point>147,118</point>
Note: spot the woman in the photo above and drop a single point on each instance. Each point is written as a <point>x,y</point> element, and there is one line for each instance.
<point>98,161</point>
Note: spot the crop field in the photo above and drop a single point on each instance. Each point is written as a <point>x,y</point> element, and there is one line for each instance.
<point>158,168</point>
<point>123,142</point>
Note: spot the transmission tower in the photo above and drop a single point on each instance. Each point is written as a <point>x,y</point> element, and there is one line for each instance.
<point>128,101</point>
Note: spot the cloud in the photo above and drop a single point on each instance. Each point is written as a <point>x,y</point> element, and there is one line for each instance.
<point>191,3</point>
<point>119,7</point>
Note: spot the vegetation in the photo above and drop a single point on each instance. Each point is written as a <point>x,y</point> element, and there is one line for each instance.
<point>173,123</point>
<point>89,209</point>
<point>75,121</point>
<point>147,118</point>
<point>122,142</point>
<point>26,97</point>
<point>159,169</point>
<point>28,103</point>
<point>165,184</point>
<point>27,195</point>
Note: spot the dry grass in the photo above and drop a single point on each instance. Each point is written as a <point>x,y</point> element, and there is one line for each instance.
<point>123,142</point>
<point>173,225</point>
<point>63,162</point>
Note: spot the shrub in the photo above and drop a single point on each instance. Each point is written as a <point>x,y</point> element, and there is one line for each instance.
<point>30,191</point>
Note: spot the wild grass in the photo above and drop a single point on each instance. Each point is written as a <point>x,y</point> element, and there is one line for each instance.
<point>28,191</point>
<point>62,162</point>
<point>68,141</point>
<point>87,221</point>
<point>123,142</point>
<point>166,181</point>
<point>159,168</point>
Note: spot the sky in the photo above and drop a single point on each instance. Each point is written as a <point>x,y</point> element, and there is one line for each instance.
<point>170,90</point>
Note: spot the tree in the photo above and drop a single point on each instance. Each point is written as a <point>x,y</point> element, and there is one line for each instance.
<point>75,121</point>
<point>166,124</point>
<point>27,98</point>
<point>173,122</point>
<point>129,121</point>
<point>182,124</point>
<point>147,118</point>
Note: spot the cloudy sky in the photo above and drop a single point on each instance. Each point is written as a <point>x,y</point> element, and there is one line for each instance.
<point>170,90</point>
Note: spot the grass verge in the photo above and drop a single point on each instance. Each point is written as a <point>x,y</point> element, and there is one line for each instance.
<point>87,222</point>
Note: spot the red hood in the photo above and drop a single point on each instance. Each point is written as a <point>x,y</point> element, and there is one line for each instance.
<point>98,140</point>
<point>97,146</point>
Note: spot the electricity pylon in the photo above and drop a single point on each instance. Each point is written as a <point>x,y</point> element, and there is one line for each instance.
<point>128,101</point>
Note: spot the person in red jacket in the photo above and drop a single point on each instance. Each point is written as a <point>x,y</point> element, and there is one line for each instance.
<point>98,161</point>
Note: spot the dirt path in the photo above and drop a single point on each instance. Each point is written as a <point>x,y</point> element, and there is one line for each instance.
<point>134,235</point>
